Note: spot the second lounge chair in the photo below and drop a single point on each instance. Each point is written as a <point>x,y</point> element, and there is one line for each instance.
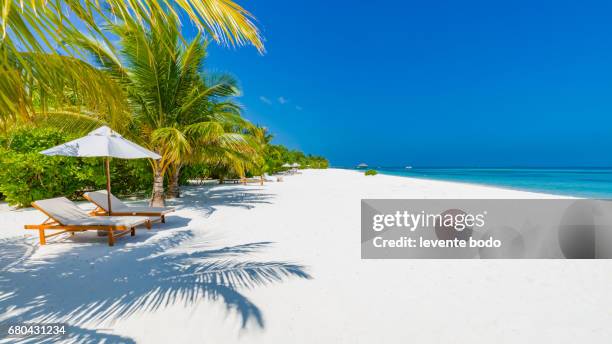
<point>119,208</point>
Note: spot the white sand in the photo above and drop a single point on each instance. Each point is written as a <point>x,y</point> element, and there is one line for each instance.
<point>312,220</point>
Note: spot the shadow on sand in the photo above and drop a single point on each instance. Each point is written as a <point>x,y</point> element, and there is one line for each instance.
<point>93,285</point>
<point>207,198</point>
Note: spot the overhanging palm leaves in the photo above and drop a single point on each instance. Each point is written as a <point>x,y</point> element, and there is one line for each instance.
<point>40,84</point>
<point>50,26</point>
<point>35,23</point>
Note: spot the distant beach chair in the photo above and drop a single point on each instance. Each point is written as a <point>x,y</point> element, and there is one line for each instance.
<point>198,181</point>
<point>119,208</point>
<point>67,217</point>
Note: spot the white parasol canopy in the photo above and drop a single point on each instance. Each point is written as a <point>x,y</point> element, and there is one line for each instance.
<point>287,165</point>
<point>103,142</point>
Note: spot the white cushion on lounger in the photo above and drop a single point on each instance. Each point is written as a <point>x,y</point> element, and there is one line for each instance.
<point>67,213</point>
<point>101,200</point>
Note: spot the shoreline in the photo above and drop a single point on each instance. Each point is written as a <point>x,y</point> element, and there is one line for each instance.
<point>484,184</point>
<point>527,193</point>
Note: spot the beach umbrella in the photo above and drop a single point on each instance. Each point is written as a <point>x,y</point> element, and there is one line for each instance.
<point>103,142</point>
<point>286,165</point>
<point>295,164</point>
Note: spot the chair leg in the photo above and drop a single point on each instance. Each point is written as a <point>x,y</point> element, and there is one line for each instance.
<point>163,219</point>
<point>133,231</point>
<point>41,236</point>
<point>111,238</point>
<point>148,224</point>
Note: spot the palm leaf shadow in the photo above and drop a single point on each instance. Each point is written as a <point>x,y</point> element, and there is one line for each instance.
<point>129,280</point>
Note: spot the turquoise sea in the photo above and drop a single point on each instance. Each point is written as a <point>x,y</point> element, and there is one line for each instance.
<point>591,183</point>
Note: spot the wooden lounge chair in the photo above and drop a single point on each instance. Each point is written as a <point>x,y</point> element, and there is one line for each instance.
<point>67,217</point>
<point>119,208</point>
<point>268,178</point>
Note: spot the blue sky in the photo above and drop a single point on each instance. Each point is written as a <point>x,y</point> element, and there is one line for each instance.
<point>438,83</point>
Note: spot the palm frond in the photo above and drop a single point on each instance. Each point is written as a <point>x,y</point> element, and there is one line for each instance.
<point>204,132</point>
<point>35,83</point>
<point>171,144</point>
<point>30,22</point>
<point>76,121</point>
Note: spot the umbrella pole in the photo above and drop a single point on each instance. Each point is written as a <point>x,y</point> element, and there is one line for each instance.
<point>108,185</point>
<point>102,233</point>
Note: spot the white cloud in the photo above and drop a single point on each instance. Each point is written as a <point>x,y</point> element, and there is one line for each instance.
<point>265,100</point>
<point>283,100</point>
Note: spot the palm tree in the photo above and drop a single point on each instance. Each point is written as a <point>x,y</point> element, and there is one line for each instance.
<point>180,113</point>
<point>42,26</point>
<point>259,139</point>
<point>227,114</point>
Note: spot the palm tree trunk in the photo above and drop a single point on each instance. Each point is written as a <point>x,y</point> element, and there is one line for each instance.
<point>174,189</point>
<point>157,198</point>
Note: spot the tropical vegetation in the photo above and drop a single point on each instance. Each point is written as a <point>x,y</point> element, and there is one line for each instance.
<point>177,110</point>
<point>278,155</point>
<point>149,84</point>
<point>26,175</point>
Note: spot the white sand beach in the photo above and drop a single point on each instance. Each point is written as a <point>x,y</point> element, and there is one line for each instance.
<point>280,263</point>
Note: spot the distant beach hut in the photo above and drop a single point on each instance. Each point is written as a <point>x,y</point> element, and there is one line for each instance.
<point>362,165</point>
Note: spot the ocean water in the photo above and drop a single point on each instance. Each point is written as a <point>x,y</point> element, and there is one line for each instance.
<point>590,183</point>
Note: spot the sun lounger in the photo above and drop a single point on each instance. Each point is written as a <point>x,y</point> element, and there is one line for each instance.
<point>243,180</point>
<point>67,217</point>
<point>119,208</point>
<point>232,181</point>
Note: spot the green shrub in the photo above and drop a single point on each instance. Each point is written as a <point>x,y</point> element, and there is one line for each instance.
<point>27,176</point>
<point>129,177</point>
<point>371,173</point>
<point>194,171</point>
